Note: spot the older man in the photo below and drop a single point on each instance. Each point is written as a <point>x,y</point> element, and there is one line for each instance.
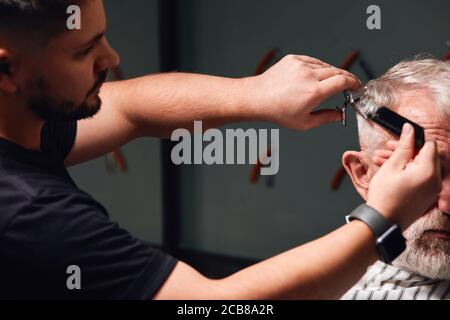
<point>419,91</point>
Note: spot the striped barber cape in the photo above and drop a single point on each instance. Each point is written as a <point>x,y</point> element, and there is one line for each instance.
<point>388,282</point>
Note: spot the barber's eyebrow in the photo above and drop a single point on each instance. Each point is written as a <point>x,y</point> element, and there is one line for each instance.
<point>94,39</point>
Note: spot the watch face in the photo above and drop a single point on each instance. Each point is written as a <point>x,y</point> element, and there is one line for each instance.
<point>391,244</point>
<point>384,255</point>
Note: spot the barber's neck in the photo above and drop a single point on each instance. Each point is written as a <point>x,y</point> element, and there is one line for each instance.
<point>19,124</point>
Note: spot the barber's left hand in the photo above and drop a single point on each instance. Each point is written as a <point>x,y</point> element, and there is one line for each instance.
<point>407,184</point>
<point>288,93</point>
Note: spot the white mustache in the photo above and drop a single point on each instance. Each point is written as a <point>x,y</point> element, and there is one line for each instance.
<point>434,220</point>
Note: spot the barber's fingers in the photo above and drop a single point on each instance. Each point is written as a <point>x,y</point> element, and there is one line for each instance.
<point>427,157</point>
<point>325,73</point>
<point>331,86</point>
<point>312,60</point>
<point>315,63</point>
<point>381,156</point>
<point>315,67</point>
<point>383,153</point>
<point>428,163</point>
<point>405,149</point>
<point>428,154</point>
<point>392,144</point>
<point>321,117</point>
<point>378,161</point>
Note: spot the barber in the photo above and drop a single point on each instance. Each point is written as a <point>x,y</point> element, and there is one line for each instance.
<point>48,223</point>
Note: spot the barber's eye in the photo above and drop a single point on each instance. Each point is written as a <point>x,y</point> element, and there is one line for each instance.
<point>85,52</point>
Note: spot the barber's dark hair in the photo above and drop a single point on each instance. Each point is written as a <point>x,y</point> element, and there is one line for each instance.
<point>47,17</point>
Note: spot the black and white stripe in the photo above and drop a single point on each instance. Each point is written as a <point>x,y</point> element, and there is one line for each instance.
<point>388,282</point>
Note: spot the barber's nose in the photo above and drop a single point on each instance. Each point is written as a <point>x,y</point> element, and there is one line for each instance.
<point>109,59</point>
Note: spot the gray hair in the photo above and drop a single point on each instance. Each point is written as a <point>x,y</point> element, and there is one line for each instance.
<point>419,73</point>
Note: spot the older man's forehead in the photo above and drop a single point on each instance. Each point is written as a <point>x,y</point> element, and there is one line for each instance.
<point>419,106</point>
<point>415,104</point>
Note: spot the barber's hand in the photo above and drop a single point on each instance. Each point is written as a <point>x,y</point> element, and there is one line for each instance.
<point>404,187</point>
<point>382,155</point>
<point>288,93</point>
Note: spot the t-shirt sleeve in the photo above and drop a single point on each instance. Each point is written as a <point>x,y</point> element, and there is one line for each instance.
<point>58,138</point>
<point>65,241</point>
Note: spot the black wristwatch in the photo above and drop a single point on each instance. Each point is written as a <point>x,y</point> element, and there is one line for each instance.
<point>390,242</point>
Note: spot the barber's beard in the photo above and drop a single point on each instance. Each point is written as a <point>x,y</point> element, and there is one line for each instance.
<point>47,108</point>
<point>426,255</point>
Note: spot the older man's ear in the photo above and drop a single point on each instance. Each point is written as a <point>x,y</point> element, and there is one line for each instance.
<point>357,168</point>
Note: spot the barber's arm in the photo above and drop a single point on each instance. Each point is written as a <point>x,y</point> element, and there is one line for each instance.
<point>286,94</point>
<point>326,268</point>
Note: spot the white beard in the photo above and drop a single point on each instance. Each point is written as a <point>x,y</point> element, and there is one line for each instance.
<point>426,256</point>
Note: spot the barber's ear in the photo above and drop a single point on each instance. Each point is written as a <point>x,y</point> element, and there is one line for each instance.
<point>357,168</point>
<point>7,84</point>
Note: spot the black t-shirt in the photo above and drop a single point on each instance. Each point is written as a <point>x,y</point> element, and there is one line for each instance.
<point>47,225</point>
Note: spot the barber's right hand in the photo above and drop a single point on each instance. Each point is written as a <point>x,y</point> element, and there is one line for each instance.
<point>405,186</point>
<point>289,93</point>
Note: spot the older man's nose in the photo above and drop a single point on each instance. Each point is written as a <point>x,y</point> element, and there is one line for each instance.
<point>443,201</point>
<point>443,205</point>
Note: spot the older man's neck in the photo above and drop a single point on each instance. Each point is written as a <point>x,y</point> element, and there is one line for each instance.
<point>19,125</point>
